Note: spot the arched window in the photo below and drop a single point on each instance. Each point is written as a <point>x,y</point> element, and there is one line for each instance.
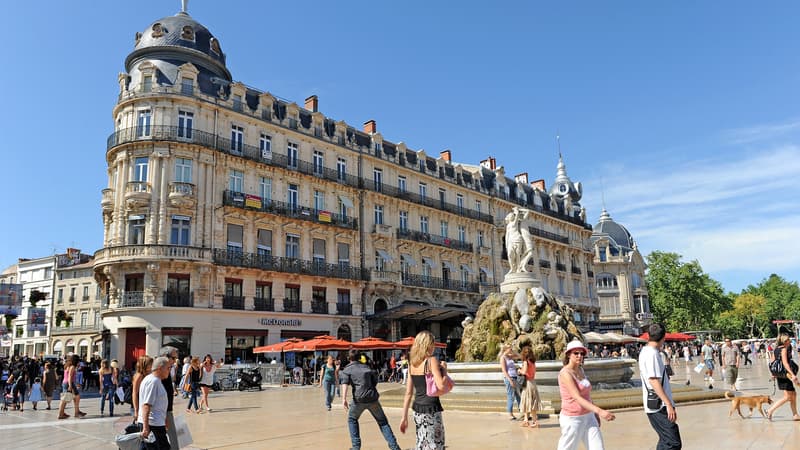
<point>380,305</point>
<point>344,333</point>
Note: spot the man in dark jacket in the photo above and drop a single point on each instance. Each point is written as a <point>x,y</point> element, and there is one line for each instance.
<point>365,397</point>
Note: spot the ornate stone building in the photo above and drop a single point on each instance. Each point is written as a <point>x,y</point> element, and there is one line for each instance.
<point>76,325</point>
<point>235,219</point>
<point>624,304</point>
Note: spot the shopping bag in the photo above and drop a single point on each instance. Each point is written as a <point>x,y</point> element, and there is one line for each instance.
<point>121,394</point>
<point>699,368</point>
<point>182,430</point>
<point>66,396</point>
<point>132,441</point>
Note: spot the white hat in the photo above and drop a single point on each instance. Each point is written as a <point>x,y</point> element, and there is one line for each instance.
<point>575,345</point>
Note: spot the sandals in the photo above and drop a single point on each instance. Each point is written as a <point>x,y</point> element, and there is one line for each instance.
<point>512,418</point>
<point>63,416</point>
<point>525,424</point>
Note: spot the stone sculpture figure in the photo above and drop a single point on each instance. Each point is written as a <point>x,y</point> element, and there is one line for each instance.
<point>519,243</point>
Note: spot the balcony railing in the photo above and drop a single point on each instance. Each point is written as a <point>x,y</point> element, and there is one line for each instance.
<point>561,267</point>
<point>241,200</point>
<point>548,235</point>
<point>233,302</point>
<point>263,304</point>
<point>179,299</point>
<point>223,144</point>
<point>396,192</point>
<point>419,236</point>
<point>179,187</point>
<point>344,309</point>
<point>131,299</point>
<point>319,307</point>
<point>287,265</point>
<point>292,305</point>
<point>75,328</point>
<point>127,252</point>
<point>544,263</point>
<point>439,283</point>
<point>85,298</point>
<point>137,186</point>
<point>576,270</point>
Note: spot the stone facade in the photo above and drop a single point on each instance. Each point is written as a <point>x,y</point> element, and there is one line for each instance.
<point>620,283</point>
<point>233,218</point>
<point>75,319</point>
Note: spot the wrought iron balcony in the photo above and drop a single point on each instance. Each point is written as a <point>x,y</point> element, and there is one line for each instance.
<point>561,267</point>
<point>544,263</point>
<point>292,305</point>
<point>344,309</point>
<point>263,304</point>
<point>576,270</point>
<point>179,299</point>
<point>394,191</point>
<point>295,211</point>
<point>418,236</point>
<point>548,235</point>
<point>131,299</point>
<point>319,306</point>
<point>223,144</point>
<point>287,265</point>
<point>439,283</point>
<point>233,302</point>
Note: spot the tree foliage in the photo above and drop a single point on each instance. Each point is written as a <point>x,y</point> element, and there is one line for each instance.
<point>749,314</point>
<point>782,299</point>
<point>682,296</point>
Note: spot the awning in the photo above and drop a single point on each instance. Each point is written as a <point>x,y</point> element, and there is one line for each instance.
<point>449,266</point>
<point>386,256</point>
<point>468,269</point>
<point>83,343</point>
<point>70,343</point>
<point>421,312</point>
<point>487,272</point>
<point>58,346</point>
<point>409,260</point>
<point>430,262</point>
<point>346,201</point>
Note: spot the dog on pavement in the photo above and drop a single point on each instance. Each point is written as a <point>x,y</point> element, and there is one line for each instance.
<point>752,402</point>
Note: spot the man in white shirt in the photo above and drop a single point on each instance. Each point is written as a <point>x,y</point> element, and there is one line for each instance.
<point>153,403</point>
<point>655,383</point>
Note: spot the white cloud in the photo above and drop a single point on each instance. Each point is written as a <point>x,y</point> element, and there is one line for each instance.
<point>760,132</point>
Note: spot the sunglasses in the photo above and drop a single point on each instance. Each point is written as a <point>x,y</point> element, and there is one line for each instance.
<point>579,353</point>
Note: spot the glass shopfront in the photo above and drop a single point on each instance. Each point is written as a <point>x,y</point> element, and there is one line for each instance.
<point>240,344</point>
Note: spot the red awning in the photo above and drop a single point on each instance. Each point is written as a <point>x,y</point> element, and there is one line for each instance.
<point>323,342</point>
<point>277,347</point>
<point>373,343</point>
<point>671,337</point>
<point>407,342</point>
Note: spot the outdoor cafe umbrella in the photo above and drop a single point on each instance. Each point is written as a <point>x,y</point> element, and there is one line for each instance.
<point>621,338</point>
<point>277,347</point>
<point>670,337</point>
<point>407,342</point>
<point>323,342</point>
<point>593,337</point>
<point>373,343</point>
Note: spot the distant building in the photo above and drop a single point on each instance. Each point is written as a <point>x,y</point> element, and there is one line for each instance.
<point>619,279</point>
<point>76,323</point>
<point>31,337</point>
<point>234,219</point>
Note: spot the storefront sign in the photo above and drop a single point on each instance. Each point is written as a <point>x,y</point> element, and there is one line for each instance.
<point>644,316</point>
<point>268,321</point>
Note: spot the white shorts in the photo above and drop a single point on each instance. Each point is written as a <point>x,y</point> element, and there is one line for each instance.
<point>575,429</point>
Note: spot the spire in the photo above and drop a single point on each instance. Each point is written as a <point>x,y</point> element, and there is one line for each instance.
<point>184,7</point>
<point>561,173</point>
<point>604,215</point>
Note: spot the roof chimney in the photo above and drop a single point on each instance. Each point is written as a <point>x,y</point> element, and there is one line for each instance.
<point>492,163</point>
<point>312,103</point>
<point>370,127</point>
<point>445,155</point>
<point>521,178</point>
<point>538,184</point>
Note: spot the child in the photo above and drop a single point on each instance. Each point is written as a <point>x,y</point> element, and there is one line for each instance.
<point>36,392</point>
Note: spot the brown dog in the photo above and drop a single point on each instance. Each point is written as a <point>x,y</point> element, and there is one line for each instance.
<point>753,402</point>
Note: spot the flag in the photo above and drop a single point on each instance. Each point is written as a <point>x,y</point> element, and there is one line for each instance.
<point>325,216</point>
<point>252,201</point>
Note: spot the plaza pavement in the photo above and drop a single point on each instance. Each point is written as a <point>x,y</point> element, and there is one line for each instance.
<point>295,418</point>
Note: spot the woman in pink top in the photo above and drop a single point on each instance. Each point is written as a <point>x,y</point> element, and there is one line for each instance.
<point>579,417</point>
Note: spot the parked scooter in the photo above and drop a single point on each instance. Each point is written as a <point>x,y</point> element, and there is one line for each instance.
<point>249,379</point>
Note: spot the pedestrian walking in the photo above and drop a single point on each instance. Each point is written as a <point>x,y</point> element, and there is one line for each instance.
<point>783,352</point>
<point>108,388</point>
<point>657,393</point>
<point>731,357</point>
<point>153,402</point>
<point>192,379</point>
<point>365,398</point>
<point>529,403</point>
<point>579,418</point>
<point>509,369</point>
<point>327,381</point>
<point>427,409</point>
<point>49,383</point>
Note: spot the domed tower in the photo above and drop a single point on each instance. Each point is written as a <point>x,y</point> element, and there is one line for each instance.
<point>567,192</point>
<point>624,303</point>
<point>175,50</point>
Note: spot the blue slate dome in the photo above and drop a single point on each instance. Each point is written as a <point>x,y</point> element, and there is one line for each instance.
<point>617,233</point>
<point>182,31</point>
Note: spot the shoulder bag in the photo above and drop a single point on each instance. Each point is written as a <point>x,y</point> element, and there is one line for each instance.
<point>430,383</point>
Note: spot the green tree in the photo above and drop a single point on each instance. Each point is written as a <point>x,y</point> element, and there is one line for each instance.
<point>782,298</point>
<point>749,311</point>
<point>682,296</point>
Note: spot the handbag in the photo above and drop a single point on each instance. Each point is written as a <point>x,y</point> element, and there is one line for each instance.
<point>778,370</point>
<point>430,384</point>
<point>66,396</point>
<point>182,431</point>
<point>522,380</point>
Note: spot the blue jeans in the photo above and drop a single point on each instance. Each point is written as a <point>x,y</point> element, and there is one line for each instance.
<point>512,394</point>
<point>108,394</point>
<point>193,398</point>
<point>377,412</point>
<point>330,391</point>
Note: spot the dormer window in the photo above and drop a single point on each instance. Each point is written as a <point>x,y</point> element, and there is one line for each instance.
<point>214,44</point>
<point>147,83</point>
<point>603,255</point>
<point>187,33</point>
<point>158,30</point>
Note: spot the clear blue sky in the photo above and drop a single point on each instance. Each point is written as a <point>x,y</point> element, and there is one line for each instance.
<point>685,115</point>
